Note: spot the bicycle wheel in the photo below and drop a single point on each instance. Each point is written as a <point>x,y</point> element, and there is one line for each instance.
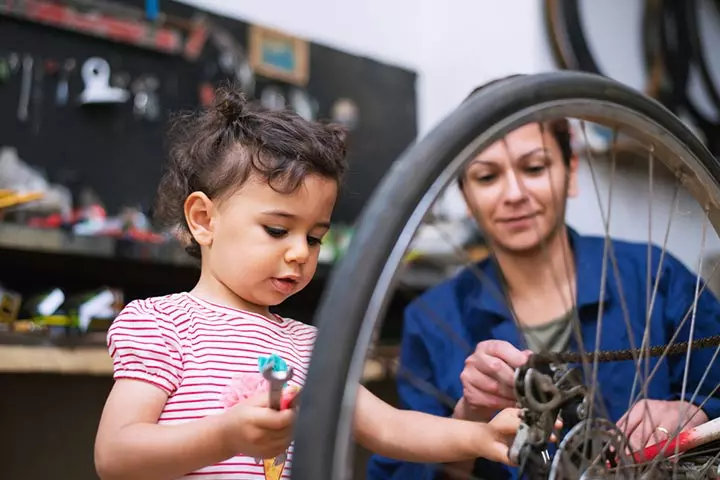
<point>358,291</point>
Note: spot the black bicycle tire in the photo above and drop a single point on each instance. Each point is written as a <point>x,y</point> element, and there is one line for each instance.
<point>652,54</point>
<point>650,31</point>
<point>676,56</point>
<point>553,35</point>
<point>340,315</point>
<point>678,59</point>
<point>571,50</point>
<point>699,53</point>
<point>571,22</point>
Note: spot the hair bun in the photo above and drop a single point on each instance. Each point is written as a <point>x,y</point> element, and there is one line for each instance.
<point>338,131</point>
<point>230,102</point>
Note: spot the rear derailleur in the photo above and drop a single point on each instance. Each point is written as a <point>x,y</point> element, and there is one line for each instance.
<point>589,448</point>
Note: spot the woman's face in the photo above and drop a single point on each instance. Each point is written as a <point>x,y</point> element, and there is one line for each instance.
<point>517,189</point>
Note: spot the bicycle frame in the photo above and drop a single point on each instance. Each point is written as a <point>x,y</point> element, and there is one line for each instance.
<point>687,440</point>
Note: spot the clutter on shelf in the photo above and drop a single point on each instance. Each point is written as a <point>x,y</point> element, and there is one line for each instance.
<point>56,313</point>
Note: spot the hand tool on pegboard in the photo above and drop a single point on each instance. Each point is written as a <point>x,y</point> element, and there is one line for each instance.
<point>37,94</point>
<point>5,71</point>
<point>25,88</point>
<point>63,87</point>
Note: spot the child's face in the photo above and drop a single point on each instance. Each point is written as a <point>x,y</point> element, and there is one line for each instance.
<point>263,246</point>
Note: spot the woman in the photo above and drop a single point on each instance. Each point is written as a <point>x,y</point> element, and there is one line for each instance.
<point>517,191</point>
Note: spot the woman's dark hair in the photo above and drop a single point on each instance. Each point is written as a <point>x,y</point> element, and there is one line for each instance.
<point>559,128</point>
<point>216,149</point>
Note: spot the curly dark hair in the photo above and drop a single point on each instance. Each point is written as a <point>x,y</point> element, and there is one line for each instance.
<point>559,128</point>
<point>216,149</point>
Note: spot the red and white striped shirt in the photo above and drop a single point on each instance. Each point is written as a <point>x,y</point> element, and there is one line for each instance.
<point>191,348</point>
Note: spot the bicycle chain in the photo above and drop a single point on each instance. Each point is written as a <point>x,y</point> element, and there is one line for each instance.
<point>622,355</point>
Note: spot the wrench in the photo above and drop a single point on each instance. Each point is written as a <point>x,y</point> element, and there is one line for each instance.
<point>277,381</point>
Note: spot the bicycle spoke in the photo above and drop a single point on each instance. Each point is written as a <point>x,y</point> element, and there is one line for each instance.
<point>601,306</point>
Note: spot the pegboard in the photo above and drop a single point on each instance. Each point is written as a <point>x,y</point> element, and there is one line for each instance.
<point>120,157</point>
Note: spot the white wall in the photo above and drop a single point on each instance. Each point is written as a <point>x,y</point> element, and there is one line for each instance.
<point>372,28</point>
<point>465,43</point>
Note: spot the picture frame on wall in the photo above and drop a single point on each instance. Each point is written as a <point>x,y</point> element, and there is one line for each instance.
<point>279,56</point>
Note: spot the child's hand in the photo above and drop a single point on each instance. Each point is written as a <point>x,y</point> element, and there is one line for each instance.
<point>255,430</point>
<point>501,431</point>
<point>504,427</point>
<point>506,422</point>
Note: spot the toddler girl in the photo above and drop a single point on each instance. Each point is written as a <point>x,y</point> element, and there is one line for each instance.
<point>253,192</point>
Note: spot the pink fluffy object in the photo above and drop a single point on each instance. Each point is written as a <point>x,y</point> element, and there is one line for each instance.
<point>245,385</point>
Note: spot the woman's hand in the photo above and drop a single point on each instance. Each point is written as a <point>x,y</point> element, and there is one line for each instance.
<point>489,375</point>
<point>652,421</point>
